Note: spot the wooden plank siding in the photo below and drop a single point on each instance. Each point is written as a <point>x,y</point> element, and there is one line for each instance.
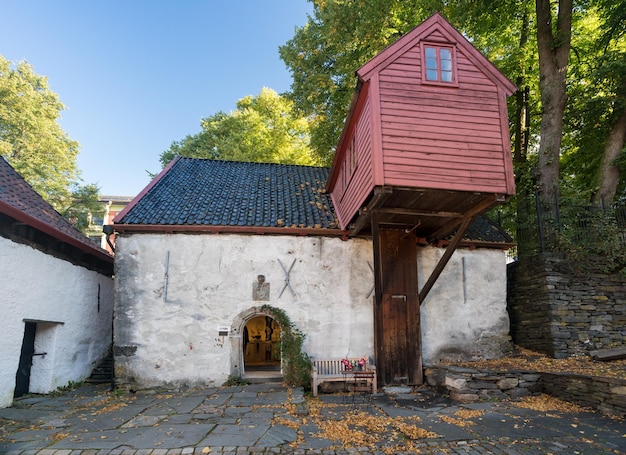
<point>425,135</point>
<point>432,138</point>
<point>348,198</point>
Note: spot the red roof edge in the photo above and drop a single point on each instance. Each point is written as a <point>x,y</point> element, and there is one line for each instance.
<point>258,230</point>
<point>435,20</point>
<point>16,213</point>
<point>137,198</point>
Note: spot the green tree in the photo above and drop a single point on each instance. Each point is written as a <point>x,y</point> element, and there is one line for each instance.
<point>34,143</point>
<point>31,138</point>
<point>263,128</point>
<point>324,54</point>
<point>82,205</point>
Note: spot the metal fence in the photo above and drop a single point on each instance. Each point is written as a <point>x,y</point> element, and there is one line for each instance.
<point>575,230</point>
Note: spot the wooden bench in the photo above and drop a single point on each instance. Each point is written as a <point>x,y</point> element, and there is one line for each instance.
<point>332,370</point>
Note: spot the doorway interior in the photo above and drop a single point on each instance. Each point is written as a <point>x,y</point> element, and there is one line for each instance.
<point>261,344</point>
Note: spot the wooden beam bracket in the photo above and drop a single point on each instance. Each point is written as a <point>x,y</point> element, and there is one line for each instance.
<point>381,194</point>
<point>445,258</point>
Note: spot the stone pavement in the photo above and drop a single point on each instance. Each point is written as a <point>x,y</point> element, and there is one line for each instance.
<point>274,419</point>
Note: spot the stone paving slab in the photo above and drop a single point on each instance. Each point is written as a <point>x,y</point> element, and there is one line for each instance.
<point>254,420</point>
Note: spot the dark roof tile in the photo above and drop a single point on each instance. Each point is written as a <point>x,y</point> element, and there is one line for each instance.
<point>20,201</point>
<point>230,193</point>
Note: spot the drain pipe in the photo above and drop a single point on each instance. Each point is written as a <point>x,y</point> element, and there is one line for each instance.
<point>108,230</point>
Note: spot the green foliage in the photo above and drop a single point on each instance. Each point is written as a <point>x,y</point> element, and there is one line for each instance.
<point>296,363</point>
<point>233,381</point>
<point>593,242</point>
<point>71,385</point>
<point>32,141</point>
<point>597,94</point>
<point>264,128</point>
<point>31,138</point>
<point>82,205</point>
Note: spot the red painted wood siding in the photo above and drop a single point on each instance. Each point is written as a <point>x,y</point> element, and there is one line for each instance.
<point>348,199</point>
<point>420,134</point>
<point>442,137</point>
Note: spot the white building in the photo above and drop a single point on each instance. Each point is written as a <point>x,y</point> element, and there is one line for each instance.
<point>56,295</point>
<point>211,247</point>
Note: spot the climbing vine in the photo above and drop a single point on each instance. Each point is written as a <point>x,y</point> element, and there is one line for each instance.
<point>296,363</point>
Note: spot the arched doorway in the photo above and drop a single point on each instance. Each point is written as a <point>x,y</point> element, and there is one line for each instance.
<point>261,344</point>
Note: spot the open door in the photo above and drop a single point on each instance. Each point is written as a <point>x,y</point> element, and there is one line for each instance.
<point>261,340</point>
<point>22,377</point>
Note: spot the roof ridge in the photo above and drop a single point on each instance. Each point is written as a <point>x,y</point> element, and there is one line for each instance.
<point>253,162</point>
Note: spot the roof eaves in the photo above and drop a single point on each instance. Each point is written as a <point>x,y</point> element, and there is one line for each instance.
<point>357,100</point>
<point>46,228</point>
<point>257,230</point>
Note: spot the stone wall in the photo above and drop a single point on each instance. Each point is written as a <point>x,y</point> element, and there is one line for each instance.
<point>562,313</point>
<point>607,395</point>
<point>468,385</point>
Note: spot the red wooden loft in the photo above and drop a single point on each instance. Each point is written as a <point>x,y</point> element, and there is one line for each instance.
<point>426,141</point>
<point>424,150</point>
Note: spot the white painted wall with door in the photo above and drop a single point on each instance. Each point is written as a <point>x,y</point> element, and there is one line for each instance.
<point>71,308</point>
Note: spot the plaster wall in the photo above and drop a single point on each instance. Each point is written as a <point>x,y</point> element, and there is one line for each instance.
<point>464,316</point>
<point>173,292</point>
<point>168,333</point>
<point>73,309</point>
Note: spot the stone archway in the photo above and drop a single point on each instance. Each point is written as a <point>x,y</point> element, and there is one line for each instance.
<point>260,318</point>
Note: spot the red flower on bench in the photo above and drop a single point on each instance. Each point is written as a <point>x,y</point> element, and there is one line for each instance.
<point>352,364</point>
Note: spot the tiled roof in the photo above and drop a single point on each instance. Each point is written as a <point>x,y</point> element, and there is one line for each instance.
<point>21,202</point>
<point>483,229</point>
<point>228,193</point>
<point>200,192</point>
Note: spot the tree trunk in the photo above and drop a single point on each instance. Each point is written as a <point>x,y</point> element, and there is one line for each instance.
<point>553,44</point>
<point>522,117</point>
<point>608,177</point>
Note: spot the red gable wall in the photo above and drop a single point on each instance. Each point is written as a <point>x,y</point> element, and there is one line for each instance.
<point>409,132</point>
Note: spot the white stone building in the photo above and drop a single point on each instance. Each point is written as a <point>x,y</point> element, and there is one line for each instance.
<point>201,252</point>
<point>56,295</point>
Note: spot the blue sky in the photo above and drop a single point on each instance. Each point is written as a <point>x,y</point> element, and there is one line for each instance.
<point>136,75</point>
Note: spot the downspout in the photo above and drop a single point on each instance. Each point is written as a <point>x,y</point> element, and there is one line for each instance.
<point>108,230</point>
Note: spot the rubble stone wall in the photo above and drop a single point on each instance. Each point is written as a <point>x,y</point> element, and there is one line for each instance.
<point>561,313</point>
<point>607,395</point>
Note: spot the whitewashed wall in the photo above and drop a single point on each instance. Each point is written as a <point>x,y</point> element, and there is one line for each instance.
<point>63,298</point>
<point>173,291</point>
<point>464,316</point>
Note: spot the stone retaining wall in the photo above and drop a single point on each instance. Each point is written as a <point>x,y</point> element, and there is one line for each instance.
<point>560,313</point>
<point>466,384</point>
<point>607,395</point>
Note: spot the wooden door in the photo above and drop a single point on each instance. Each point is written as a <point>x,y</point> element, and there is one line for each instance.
<point>22,377</point>
<point>397,309</point>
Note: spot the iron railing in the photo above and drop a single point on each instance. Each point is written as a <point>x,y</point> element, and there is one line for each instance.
<point>573,229</point>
